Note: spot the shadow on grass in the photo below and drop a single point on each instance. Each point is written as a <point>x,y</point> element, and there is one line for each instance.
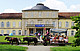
<point>11,50</point>
<point>75,50</point>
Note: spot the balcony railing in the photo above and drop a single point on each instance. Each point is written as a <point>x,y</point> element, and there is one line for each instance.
<point>40,25</point>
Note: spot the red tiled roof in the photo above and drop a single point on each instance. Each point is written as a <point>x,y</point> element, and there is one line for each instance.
<point>62,15</point>
<point>11,16</point>
<point>67,14</point>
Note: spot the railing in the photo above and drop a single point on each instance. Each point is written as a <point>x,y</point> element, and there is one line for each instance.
<point>41,25</point>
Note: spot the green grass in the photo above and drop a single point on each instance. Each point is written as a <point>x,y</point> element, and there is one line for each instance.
<point>71,39</point>
<point>12,48</point>
<point>65,48</point>
<point>2,38</point>
<point>21,37</point>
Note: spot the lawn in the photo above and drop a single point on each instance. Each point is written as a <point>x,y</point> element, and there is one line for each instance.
<point>12,48</point>
<point>71,39</point>
<point>21,37</point>
<point>65,48</point>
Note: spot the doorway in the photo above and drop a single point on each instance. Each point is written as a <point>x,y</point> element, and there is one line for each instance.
<point>39,30</point>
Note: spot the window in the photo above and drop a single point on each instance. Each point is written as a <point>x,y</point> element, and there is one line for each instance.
<point>72,33</point>
<point>8,24</point>
<point>14,32</point>
<point>7,31</point>
<point>53,14</point>
<point>39,14</point>
<point>39,22</point>
<point>14,24</point>
<point>32,14</point>
<point>2,24</point>
<point>20,24</point>
<point>19,32</point>
<point>47,22</point>
<point>26,14</point>
<point>32,22</point>
<point>25,32</point>
<point>47,14</point>
<point>25,23</point>
<point>67,24</point>
<point>67,33</point>
<point>60,24</point>
<point>54,24</point>
<point>72,23</point>
<point>2,31</point>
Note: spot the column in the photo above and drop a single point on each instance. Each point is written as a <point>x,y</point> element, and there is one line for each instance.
<point>34,30</point>
<point>27,31</point>
<point>23,27</point>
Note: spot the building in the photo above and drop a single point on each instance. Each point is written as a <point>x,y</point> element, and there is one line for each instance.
<point>37,19</point>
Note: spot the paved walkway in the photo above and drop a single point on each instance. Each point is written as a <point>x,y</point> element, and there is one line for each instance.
<point>38,47</point>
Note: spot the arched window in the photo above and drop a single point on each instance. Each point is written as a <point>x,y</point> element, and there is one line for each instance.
<point>2,24</point>
<point>8,24</point>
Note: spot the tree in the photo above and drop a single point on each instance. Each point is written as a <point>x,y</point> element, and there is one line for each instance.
<point>76,20</point>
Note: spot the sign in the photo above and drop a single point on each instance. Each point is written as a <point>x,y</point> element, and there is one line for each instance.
<point>40,25</point>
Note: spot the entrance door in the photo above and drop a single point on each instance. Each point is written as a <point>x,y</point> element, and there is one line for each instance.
<point>39,31</point>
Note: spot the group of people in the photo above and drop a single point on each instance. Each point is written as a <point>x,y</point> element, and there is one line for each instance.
<point>58,39</point>
<point>53,38</point>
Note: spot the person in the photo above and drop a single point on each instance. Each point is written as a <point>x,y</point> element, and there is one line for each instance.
<point>66,39</point>
<point>51,39</point>
<point>60,38</point>
<point>56,38</point>
<point>47,32</point>
<point>39,35</point>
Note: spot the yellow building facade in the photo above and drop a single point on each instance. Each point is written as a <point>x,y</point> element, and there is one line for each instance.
<point>37,19</point>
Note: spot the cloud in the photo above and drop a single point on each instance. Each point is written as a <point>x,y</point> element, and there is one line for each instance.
<point>10,11</point>
<point>57,4</point>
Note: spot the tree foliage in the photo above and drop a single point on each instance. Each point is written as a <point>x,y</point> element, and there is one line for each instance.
<point>76,20</point>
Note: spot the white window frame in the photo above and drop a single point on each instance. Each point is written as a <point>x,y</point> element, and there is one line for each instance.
<point>72,32</point>
<point>2,24</point>
<point>72,23</point>
<point>39,14</point>
<point>20,24</point>
<point>14,32</point>
<point>26,14</point>
<point>2,31</point>
<point>14,24</point>
<point>26,23</point>
<point>54,24</point>
<point>53,14</point>
<point>47,14</point>
<point>32,14</point>
<point>8,32</point>
<point>60,24</point>
<point>8,24</point>
<point>19,32</point>
<point>66,24</point>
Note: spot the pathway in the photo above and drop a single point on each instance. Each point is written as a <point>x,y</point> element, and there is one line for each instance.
<point>38,47</point>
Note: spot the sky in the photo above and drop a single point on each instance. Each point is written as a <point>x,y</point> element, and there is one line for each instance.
<point>16,6</point>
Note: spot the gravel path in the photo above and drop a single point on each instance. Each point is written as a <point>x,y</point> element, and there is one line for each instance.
<point>38,47</point>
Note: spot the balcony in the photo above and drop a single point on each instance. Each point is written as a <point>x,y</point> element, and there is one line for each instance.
<point>39,25</point>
